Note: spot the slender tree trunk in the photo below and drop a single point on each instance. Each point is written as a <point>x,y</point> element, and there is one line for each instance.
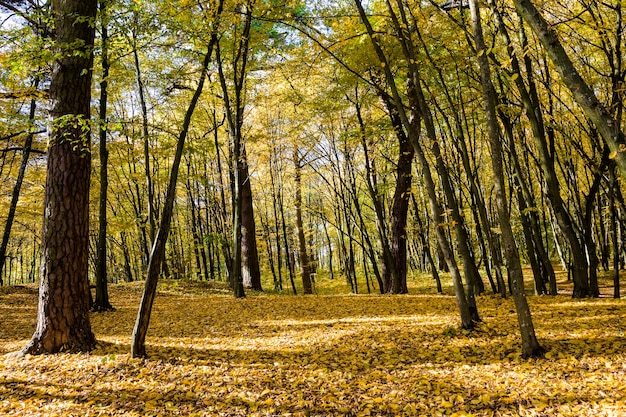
<point>223,215</point>
<point>329,243</point>
<point>140,330</point>
<point>530,345</point>
<point>126,253</point>
<point>423,234</point>
<point>532,106</point>
<point>305,266</point>
<point>146,140</point>
<point>614,232</point>
<point>394,246</point>
<point>543,270</point>
<point>101,303</point>
<point>195,220</point>
<point>15,195</point>
<point>276,222</point>
<point>412,128</point>
<point>63,313</point>
<point>234,108</point>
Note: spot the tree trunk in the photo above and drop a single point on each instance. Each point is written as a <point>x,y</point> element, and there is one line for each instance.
<point>151,217</point>
<point>63,313</point>
<point>583,94</point>
<point>394,246</point>
<point>234,105</point>
<point>530,345</point>
<point>423,234</point>
<point>305,267</point>
<point>613,184</point>
<point>15,196</point>
<point>412,126</point>
<point>101,303</point>
<point>140,330</point>
<point>251,271</point>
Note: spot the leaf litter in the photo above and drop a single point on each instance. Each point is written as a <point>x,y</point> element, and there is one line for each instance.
<point>331,355</point>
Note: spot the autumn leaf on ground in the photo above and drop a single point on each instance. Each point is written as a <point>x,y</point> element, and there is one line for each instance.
<point>213,355</point>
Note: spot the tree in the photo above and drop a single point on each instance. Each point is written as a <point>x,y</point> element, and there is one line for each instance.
<point>411,122</point>
<point>140,330</point>
<point>606,124</point>
<point>530,345</point>
<point>305,264</point>
<point>244,235</point>
<point>63,313</point>
<point>40,30</point>
<point>101,302</point>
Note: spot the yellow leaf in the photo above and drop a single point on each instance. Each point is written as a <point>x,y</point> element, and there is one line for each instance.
<point>446,404</point>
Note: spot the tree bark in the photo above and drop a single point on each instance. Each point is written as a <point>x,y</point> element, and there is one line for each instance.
<point>530,345</point>
<point>305,267</point>
<point>63,313</point>
<point>101,302</point>
<point>251,271</point>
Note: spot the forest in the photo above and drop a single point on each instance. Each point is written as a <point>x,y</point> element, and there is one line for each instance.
<point>359,153</point>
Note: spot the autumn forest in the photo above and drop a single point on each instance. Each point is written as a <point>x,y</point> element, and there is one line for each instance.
<point>359,207</point>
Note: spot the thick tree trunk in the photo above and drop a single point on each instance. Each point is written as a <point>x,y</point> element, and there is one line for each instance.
<point>399,212</point>
<point>63,313</point>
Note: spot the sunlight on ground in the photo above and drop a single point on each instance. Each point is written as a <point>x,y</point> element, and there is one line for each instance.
<point>213,355</point>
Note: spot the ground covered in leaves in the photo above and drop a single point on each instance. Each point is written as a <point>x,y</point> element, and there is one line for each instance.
<point>325,355</point>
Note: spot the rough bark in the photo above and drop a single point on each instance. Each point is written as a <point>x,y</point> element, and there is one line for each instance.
<point>399,212</point>
<point>63,313</point>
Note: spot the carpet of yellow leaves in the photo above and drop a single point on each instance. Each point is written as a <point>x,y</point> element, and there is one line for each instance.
<point>331,355</point>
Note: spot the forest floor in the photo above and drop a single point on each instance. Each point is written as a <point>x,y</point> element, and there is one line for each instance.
<point>323,355</point>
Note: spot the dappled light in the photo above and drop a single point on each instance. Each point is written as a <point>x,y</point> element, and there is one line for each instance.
<point>325,355</point>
